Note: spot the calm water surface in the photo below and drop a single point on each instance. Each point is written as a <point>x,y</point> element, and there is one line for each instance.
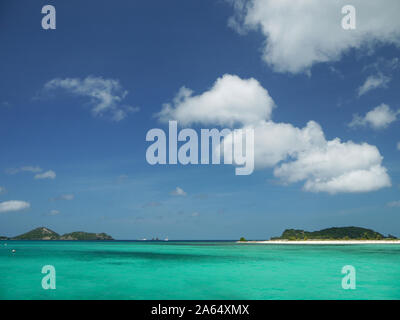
<point>197,270</point>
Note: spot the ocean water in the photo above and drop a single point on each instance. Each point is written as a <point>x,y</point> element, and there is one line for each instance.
<point>197,270</point>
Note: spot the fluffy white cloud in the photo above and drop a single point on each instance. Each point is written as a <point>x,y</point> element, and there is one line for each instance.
<point>336,167</point>
<point>301,33</point>
<point>379,118</point>
<point>373,82</point>
<point>303,154</point>
<point>178,192</point>
<point>230,101</point>
<point>275,142</point>
<point>13,205</point>
<point>106,95</point>
<point>46,175</point>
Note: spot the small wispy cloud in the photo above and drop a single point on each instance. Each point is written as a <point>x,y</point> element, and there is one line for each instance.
<point>5,104</point>
<point>54,212</point>
<point>67,197</point>
<point>2,190</point>
<point>374,82</point>
<point>121,178</point>
<point>394,204</point>
<point>33,169</point>
<point>13,205</point>
<point>381,73</point>
<point>152,204</point>
<point>46,175</point>
<point>383,65</point>
<point>105,95</point>
<point>50,174</point>
<point>398,145</point>
<point>178,192</point>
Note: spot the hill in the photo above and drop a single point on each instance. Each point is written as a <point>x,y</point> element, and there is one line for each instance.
<point>338,233</point>
<point>38,234</point>
<point>79,235</point>
<point>43,233</point>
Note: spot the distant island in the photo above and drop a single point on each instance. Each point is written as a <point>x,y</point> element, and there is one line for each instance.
<point>337,235</point>
<point>43,233</point>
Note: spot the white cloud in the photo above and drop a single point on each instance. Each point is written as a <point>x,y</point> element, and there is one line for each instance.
<point>33,169</point>
<point>13,205</point>
<point>337,167</point>
<point>178,192</point>
<point>398,146</point>
<point>275,142</point>
<point>46,175</point>
<point>302,154</point>
<point>54,212</point>
<point>106,95</point>
<point>230,101</point>
<point>299,34</point>
<point>373,82</point>
<point>394,204</point>
<point>379,118</point>
<point>2,190</point>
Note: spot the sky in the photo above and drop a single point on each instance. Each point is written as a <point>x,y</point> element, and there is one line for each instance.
<point>76,103</point>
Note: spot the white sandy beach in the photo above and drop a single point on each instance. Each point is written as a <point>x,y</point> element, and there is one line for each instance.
<point>327,242</point>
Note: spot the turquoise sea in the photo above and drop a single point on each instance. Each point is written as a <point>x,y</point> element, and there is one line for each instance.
<point>196,270</point>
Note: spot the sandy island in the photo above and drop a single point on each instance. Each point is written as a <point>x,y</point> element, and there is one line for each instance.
<point>322,242</point>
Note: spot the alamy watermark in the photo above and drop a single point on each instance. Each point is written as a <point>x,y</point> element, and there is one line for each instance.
<point>349,20</point>
<point>349,280</point>
<point>49,20</point>
<point>237,146</point>
<point>49,280</point>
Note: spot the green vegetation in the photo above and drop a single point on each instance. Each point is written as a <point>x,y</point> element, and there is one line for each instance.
<point>4,238</point>
<point>341,233</point>
<point>79,235</point>
<point>47,234</point>
<point>242,239</point>
<point>38,234</point>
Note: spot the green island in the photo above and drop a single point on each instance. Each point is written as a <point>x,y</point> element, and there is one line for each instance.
<point>336,233</point>
<point>43,233</point>
<point>330,234</point>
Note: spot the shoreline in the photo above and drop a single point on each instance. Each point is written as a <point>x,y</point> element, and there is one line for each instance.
<point>326,242</point>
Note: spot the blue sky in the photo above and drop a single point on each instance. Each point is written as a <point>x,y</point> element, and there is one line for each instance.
<point>79,169</point>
